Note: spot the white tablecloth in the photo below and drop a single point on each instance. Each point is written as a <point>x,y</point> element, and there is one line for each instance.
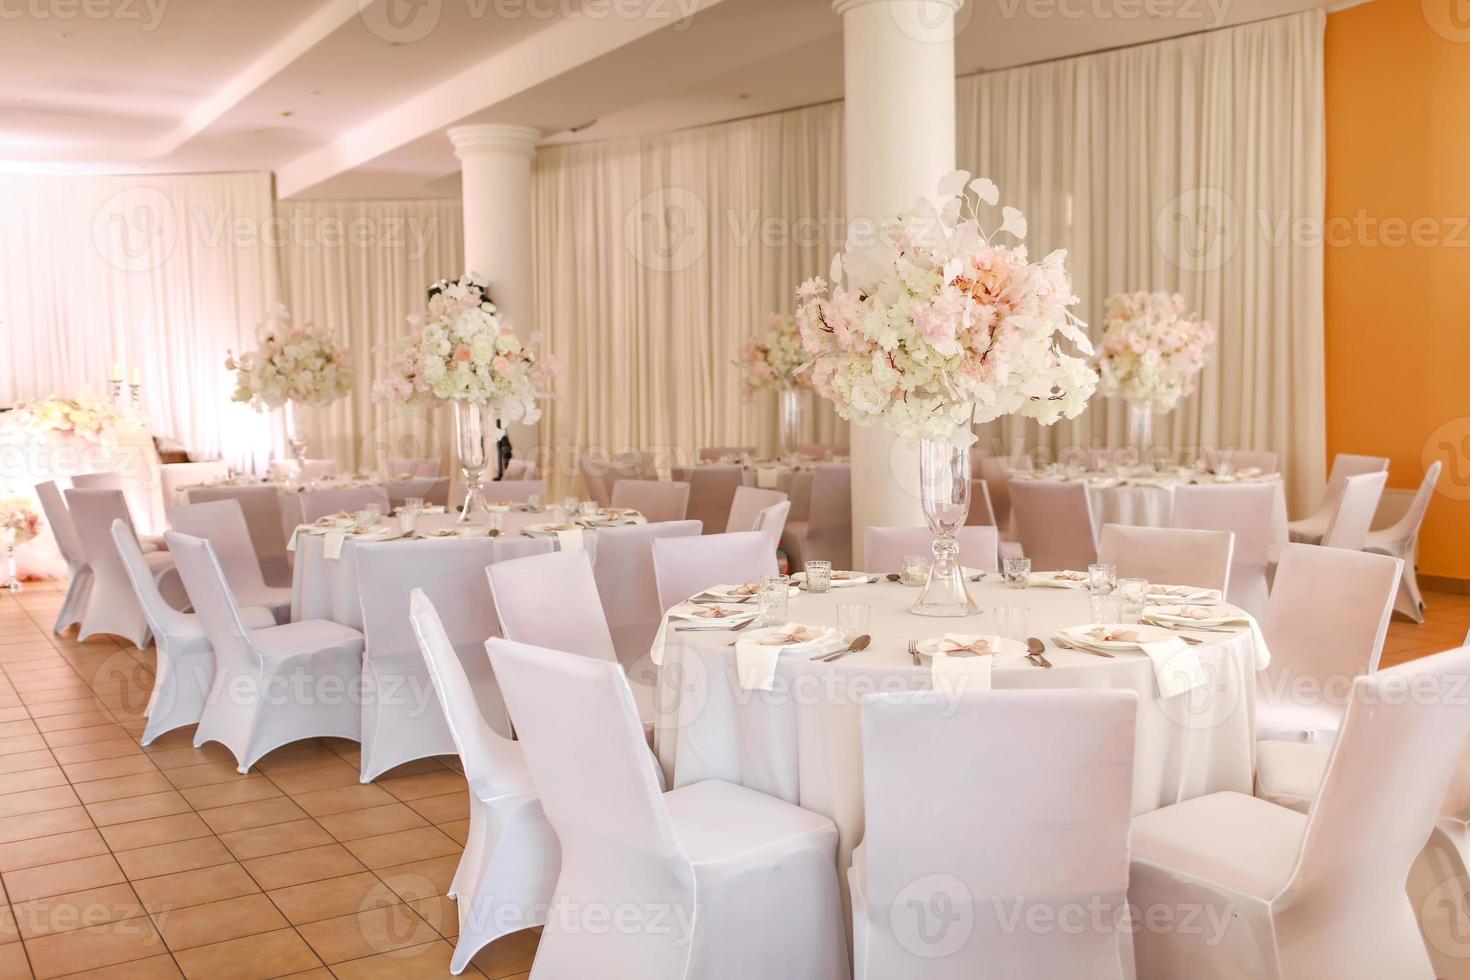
<point>1153,505</point>
<point>802,740</point>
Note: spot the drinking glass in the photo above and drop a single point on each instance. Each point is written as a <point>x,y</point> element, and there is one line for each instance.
<point>533,503</point>
<point>852,620</point>
<point>818,576</point>
<point>1102,578</point>
<point>413,503</point>
<point>559,513</point>
<point>1011,622</point>
<point>1017,572</point>
<point>914,571</point>
<point>408,519</point>
<point>367,517</point>
<point>496,521</point>
<point>588,509</point>
<point>1105,608</point>
<point>773,599</point>
<point>571,504</point>
<point>1134,593</point>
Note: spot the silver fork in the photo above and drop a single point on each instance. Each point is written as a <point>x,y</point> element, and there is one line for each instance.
<point>914,651</point>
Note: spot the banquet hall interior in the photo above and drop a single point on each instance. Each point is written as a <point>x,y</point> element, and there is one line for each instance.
<point>734,489</point>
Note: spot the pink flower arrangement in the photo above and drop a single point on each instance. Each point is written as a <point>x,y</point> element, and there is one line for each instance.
<point>91,417</point>
<point>19,520</point>
<point>301,363</point>
<point>1152,353</point>
<point>771,360</point>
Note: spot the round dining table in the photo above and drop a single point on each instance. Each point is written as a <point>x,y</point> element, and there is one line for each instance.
<point>801,740</point>
<point>1149,501</point>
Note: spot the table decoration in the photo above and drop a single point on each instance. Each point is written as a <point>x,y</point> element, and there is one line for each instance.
<point>756,653</point>
<point>934,326</point>
<point>19,523</point>
<point>1150,356</point>
<point>463,352</point>
<point>770,362</point>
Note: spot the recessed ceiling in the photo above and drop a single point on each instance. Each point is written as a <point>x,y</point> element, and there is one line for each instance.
<point>351,98</point>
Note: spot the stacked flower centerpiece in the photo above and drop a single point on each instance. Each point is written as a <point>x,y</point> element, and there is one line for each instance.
<point>19,523</point>
<point>771,362</point>
<point>293,366</point>
<point>937,325</point>
<point>1152,354</point>
<point>461,351</point>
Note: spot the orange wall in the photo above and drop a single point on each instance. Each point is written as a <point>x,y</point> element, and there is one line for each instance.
<point>1398,253</point>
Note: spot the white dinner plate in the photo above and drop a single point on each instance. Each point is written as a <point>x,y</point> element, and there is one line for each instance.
<point>1059,579</point>
<point>1003,650</point>
<point>827,635</point>
<point>841,580</point>
<point>549,530</point>
<point>1082,636</point>
<point>1193,614</point>
<point>1161,594</point>
<point>732,592</point>
<point>691,616</point>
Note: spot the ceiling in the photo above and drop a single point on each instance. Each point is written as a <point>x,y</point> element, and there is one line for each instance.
<point>351,98</point>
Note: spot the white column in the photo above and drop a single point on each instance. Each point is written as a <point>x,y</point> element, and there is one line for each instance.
<point>495,172</point>
<point>899,117</point>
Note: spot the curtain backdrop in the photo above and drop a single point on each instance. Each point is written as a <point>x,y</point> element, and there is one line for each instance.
<point>163,273</point>
<point>1185,165</point>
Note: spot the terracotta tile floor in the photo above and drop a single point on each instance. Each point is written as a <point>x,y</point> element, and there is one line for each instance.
<point>131,864</point>
<point>123,862</point>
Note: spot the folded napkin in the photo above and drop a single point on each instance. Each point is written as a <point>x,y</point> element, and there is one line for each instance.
<point>767,477</point>
<point>953,671</point>
<point>1176,666</point>
<point>332,543</point>
<point>756,657</point>
<point>570,540</point>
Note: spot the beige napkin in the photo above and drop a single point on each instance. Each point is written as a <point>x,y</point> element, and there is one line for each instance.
<point>756,657</point>
<point>332,543</point>
<point>1176,666</point>
<point>959,674</point>
<point>767,477</point>
<point>570,540</point>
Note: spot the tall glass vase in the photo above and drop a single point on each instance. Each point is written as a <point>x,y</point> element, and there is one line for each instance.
<point>944,491</point>
<point>9,580</point>
<point>296,441</point>
<point>789,407</point>
<point>1140,428</point>
<point>475,438</point>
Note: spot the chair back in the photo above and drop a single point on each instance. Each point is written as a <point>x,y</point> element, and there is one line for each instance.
<point>508,491</point>
<point>218,613</point>
<point>432,490</point>
<point>320,503</point>
<point>998,485</point>
<point>1406,528</point>
<point>683,567</point>
<point>1240,459</point>
<point>656,500</point>
<point>1066,836</point>
<point>551,601</point>
<point>1345,465</point>
<point>222,524</point>
<point>720,454</point>
<point>596,477</point>
<point>486,754</point>
<point>519,469</point>
<point>262,507</point>
<point>409,467</point>
<point>622,566</point>
<point>111,480</point>
<point>772,521</point>
<point>1169,556</point>
<point>176,476</point>
<point>747,505</point>
<point>1245,510</point>
<point>92,513</point>
<point>315,469</point>
<point>711,494</point>
<point>1353,516</point>
<point>1328,612</point>
<point>816,450</point>
<point>830,507</point>
<point>164,620</point>
<point>1055,524</point>
<point>63,528</point>
<point>885,548</point>
<point>982,510</point>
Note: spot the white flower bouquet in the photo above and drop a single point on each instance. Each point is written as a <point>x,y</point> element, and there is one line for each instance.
<point>1152,353</point>
<point>302,363</point>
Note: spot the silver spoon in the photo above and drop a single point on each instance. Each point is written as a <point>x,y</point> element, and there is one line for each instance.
<point>860,643</point>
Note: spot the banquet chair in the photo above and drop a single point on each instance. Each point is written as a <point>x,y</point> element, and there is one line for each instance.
<point>1054,844</point>
<point>253,705</point>
<point>748,881</point>
<point>1245,510</point>
<point>1401,540</point>
<point>1169,556</point>
<point>511,857</point>
<point>719,454</point>
<point>518,469</point>
<point>683,567</point>
<point>316,469</point>
<point>108,480</point>
<point>1309,529</point>
<point>1055,524</point>
<point>712,494</point>
<point>997,479</point>
<point>982,512</point>
<point>185,665</point>
<point>825,533</point>
<point>772,522</point>
<point>263,516</point>
<point>432,490</point>
<point>1325,623</point>
<point>112,605</point>
<point>79,581</point>
<point>885,548</point>
<point>222,524</point>
<point>597,477</point>
<point>816,450</point>
<point>1356,505</point>
<point>132,492</point>
<point>410,467</point>
<point>507,492</point>
<point>656,500</point>
<point>1240,459</point>
<point>402,713</point>
<point>749,504</point>
<point>175,477</point>
<point>1320,895</point>
<point>336,500</point>
<point>623,568</point>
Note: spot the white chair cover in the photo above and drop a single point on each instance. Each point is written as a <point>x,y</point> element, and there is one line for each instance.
<point>511,856</point>
<point>222,524</point>
<point>271,686</point>
<point>551,601</point>
<point>320,503</point>
<point>1401,540</point>
<point>992,469</point>
<point>1309,530</point>
<point>432,490</point>
<point>656,500</point>
<point>887,547</point>
<point>824,533</point>
<point>1320,895</point>
<point>1055,525</point>
<point>999,846</point>
<point>112,605</point>
<point>1356,505</point>
<point>718,454</point>
<point>982,511</point>
<point>597,477</point>
<point>110,480</point>
<point>747,505</point>
<point>623,569</point>
<point>760,872</point>
<point>519,469</point>
<point>316,469</point>
<point>1240,459</point>
<point>177,476</point>
<point>683,567</point>
<point>1170,556</point>
<point>507,491</point>
<point>410,467</point>
<point>1324,625</point>
<point>262,506</point>
<point>79,585</point>
<point>712,494</point>
<point>772,522</point>
<point>1245,510</point>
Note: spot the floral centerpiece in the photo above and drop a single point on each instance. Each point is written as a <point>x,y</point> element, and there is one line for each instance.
<point>19,523</point>
<point>88,416</point>
<point>1152,353</point>
<point>772,361</point>
<point>939,323</point>
<point>462,351</point>
<point>295,365</point>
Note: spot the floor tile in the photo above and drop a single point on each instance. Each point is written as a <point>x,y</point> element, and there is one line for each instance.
<point>297,867</point>
<point>48,850</point>
<point>367,933</point>
<point>76,910</point>
<point>62,877</point>
<point>87,949</point>
<point>371,822</point>
<point>258,814</point>
<point>163,859</point>
<point>333,897</point>
<point>137,808</point>
<point>271,954</point>
<point>218,922</point>
<point>387,850</point>
<point>275,839</point>
<point>342,799</point>
<point>189,888</point>
<point>154,830</point>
